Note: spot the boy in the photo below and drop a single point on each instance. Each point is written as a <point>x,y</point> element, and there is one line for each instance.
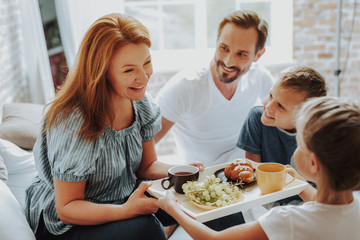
<point>269,133</point>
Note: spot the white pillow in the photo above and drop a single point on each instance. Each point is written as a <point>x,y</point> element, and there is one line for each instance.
<point>18,183</point>
<point>13,224</point>
<point>3,170</point>
<point>17,160</point>
<point>20,166</point>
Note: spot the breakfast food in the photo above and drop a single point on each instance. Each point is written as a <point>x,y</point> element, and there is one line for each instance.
<point>240,170</point>
<point>211,193</point>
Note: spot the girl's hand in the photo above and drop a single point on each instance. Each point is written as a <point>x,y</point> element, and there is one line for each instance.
<point>199,165</point>
<point>168,202</point>
<point>309,192</point>
<point>139,204</point>
<point>298,176</point>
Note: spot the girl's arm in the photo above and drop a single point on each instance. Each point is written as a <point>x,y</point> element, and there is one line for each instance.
<point>309,192</point>
<point>150,168</point>
<point>252,156</point>
<point>73,209</point>
<point>198,230</point>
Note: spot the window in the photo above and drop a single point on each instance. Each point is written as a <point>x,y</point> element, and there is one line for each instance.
<point>186,29</point>
<point>180,30</point>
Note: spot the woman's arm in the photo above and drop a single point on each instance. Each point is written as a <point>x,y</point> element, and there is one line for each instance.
<point>198,230</point>
<point>150,168</point>
<point>73,209</point>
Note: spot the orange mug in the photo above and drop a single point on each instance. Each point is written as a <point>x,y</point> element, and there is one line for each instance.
<point>271,177</point>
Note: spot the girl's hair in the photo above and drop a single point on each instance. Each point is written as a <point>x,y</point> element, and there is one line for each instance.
<point>247,19</point>
<point>86,87</point>
<point>304,79</point>
<point>330,128</point>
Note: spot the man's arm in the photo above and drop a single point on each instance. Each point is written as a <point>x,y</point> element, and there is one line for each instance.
<point>165,127</point>
<point>252,156</point>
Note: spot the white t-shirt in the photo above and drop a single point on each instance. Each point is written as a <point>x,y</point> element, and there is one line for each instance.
<point>313,220</point>
<point>207,125</point>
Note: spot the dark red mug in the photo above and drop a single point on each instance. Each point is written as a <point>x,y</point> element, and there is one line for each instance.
<point>179,175</point>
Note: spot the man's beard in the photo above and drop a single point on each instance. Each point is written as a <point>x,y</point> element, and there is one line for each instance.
<point>224,77</point>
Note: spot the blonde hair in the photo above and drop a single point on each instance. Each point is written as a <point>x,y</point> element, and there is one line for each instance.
<point>304,79</point>
<point>86,87</point>
<point>247,19</point>
<point>330,128</point>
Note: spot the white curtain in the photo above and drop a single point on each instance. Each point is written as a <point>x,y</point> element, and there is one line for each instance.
<point>38,71</point>
<point>66,30</point>
<point>75,17</point>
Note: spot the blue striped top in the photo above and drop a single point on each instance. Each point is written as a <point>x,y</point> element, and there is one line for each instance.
<point>108,163</point>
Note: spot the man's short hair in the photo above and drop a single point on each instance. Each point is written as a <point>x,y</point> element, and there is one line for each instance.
<point>247,19</point>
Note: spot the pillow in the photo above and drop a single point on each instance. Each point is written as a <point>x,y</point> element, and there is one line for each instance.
<point>21,123</point>
<point>20,166</point>
<point>16,160</point>
<point>13,224</point>
<point>3,170</point>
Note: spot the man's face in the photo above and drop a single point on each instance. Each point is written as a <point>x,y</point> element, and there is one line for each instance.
<point>235,52</point>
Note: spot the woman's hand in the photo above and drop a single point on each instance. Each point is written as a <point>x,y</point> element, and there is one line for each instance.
<point>139,204</point>
<point>199,165</point>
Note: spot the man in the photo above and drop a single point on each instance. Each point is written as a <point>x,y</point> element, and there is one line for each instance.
<point>206,108</point>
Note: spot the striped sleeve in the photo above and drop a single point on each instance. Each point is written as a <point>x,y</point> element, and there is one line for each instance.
<point>150,118</point>
<point>72,158</point>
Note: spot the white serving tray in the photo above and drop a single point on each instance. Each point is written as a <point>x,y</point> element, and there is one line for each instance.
<point>252,197</point>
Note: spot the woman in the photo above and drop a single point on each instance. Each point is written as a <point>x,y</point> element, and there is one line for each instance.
<point>97,142</point>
